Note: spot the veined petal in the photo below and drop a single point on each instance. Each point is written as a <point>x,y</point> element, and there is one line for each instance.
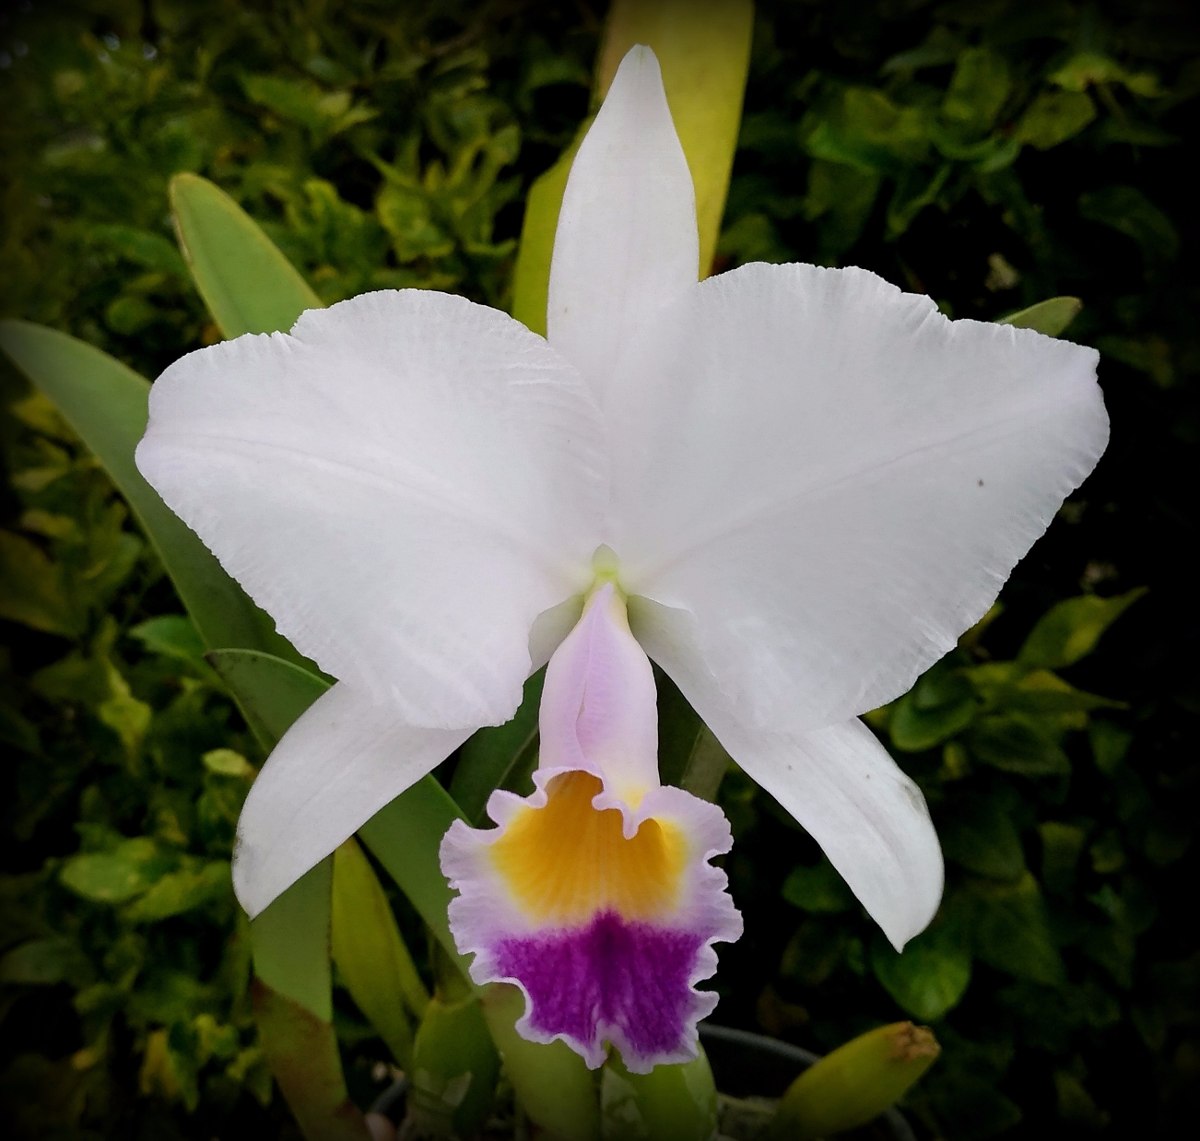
<point>340,763</point>
<point>627,241</point>
<point>595,895</point>
<point>839,782</point>
<point>404,483</point>
<point>835,480</point>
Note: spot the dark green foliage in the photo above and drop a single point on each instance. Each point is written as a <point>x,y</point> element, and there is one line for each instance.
<point>992,154</point>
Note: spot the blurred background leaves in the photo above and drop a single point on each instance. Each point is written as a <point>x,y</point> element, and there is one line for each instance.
<point>992,154</point>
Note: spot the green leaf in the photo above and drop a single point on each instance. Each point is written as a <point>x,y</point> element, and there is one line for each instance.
<point>302,1051</point>
<point>932,974</point>
<point>143,247</point>
<point>1051,316</point>
<point>818,889</point>
<point>978,833</point>
<point>290,942</point>
<point>177,893</point>
<point>1017,744</point>
<point>44,962</point>
<point>1069,631</point>
<point>689,755</point>
<point>978,89</point>
<point>552,1083</point>
<point>676,1102</point>
<point>117,876</point>
<point>105,403</point>
<point>1128,211</point>
<point>172,636</point>
<point>272,692</point>
<point>371,956</point>
<point>1011,929</point>
<point>32,588</point>
<point>1053,118</point>
<point>868,130</point>
<point>940,705</point>
<point>405,837</point>
<point>454,1072</point>
<point>487,759</point>
<point>1062,845</point>
<point>247,284</point>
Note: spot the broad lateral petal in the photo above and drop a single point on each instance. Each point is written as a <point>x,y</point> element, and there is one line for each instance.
<point>626,241</point>
<point>835,480</point>
<point>838,782</point>
<point>404,483</point>
<point>340,763</point>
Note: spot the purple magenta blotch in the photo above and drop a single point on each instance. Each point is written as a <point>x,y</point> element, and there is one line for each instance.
<point>613,979</point>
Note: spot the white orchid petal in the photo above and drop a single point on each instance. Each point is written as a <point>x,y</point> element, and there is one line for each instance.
<point>404,483</point>
<point>870,819</point>
<point>839,782</point>
<point>627,241</point>
<point>835,480</point>
<point>339,764</point>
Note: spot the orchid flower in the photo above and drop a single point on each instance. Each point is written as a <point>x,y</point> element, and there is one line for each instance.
<point>791,487</point>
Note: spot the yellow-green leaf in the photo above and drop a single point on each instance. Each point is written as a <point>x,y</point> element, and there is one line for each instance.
<point>1051,316</point>
<point>246,282</point>
<point>371,956</point>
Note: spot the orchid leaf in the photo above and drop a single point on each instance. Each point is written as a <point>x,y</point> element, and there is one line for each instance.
<point>932,974</point>
<point>552,1082</point>
<point>1051,316</point>
<point>690,756</point>
<point>272,692</point>
<point>679,1101</point>
<point>531,275</point>
<point>371,956</point>
<point>405,838</point>
<point>105,403</point>
<point>302,1052</point>
<point>704,51</point>
<point>293,1008</point>
<point>246,282</point>
<point>493,754</point>
<point>454,1072</point>
<point>290,940</point>
<point>1070,630</point>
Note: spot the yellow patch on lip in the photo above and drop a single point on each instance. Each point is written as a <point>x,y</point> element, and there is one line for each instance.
<point>567,861</point>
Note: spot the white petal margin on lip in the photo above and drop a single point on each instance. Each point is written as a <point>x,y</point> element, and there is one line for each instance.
<point>835,480</point>
<point>838,782</point>
<point>404,483</point>
<point>339,764</point>
<point>627,240</point>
